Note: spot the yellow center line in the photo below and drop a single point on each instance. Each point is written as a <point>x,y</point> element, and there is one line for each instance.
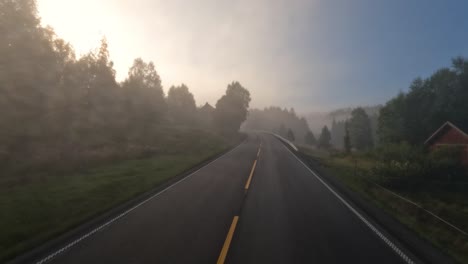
<point>227,243</point>
<point>247,185</point>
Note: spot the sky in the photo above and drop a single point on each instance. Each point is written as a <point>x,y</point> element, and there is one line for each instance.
<point>314,55</point>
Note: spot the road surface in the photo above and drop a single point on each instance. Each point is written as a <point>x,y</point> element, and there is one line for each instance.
<point>233,211</point>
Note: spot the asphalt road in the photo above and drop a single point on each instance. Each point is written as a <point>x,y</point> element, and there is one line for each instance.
<point>287,215</point>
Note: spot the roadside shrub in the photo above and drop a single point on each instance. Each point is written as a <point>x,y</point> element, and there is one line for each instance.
<point>406,166</point>
<point>402,152</point>
<point>400,174</point>
<point>446,165</point>
<point>399,165</point>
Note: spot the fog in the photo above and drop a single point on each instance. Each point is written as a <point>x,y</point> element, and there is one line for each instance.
<point>311,55</point>
<point>204,45</point>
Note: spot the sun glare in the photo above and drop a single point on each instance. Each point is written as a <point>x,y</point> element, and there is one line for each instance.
<point>84,23</point>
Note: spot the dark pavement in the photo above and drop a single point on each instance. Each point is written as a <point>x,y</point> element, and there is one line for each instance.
<point>286,216</point>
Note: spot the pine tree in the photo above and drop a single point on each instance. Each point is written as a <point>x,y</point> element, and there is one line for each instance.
<point>325,137</point>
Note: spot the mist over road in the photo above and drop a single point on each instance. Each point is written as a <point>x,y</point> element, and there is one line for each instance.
<point>284,214</point>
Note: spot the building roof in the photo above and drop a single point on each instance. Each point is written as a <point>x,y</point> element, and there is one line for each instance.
<point>446,124</point>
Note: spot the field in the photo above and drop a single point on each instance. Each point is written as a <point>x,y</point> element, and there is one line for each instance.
<point>355,171</point>
<point>46,203</point>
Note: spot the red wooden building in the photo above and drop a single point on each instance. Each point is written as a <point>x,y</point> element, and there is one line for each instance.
<point>449,135</point>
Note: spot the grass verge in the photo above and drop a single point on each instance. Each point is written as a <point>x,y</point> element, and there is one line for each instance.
<point>355,172</point>
<point>42,206</point>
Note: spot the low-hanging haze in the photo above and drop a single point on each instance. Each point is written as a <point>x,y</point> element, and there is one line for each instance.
<point>311,55</point>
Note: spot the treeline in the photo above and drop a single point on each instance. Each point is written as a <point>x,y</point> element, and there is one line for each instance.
<point>401,159</point>
<point>413,116</point>
<point>281,121</point>
<point>54,104</point>
<point>338,128</point>
<point>410,117</point>
<point>355,132</point>
<point>407,121</point>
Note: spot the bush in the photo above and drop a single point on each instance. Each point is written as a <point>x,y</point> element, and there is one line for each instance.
<point>405,166</point>
<point>400,174</point>
<point>402,152</point>
<point>445,162</point>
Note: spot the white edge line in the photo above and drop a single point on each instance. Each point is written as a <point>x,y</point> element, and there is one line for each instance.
<point>387,241</point>
<point>76,241</point>
<point>287,141</point>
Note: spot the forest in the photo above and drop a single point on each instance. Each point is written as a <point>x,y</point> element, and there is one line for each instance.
<point>58,108</point>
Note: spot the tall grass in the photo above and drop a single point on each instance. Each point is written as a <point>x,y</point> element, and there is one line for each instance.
<point>48,201</point>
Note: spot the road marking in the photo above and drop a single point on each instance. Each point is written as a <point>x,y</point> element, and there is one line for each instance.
<point>227,242</point>
<point>247,185</point>
<point>108,223</point>
<point>387,241</point>
<point>258,153</point>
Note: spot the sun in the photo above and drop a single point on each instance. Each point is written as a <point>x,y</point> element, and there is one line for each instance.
<point>84,23</point>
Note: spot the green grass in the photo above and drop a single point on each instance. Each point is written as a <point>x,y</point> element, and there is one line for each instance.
<point>355,172</point>
<point>39,207</point>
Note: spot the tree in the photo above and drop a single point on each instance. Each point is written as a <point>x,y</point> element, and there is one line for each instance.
<point>391,127</point>
<point>360,129</point>
<point>347,140</point>
<point>29,74</point>
<point>429,103</point>
<point>205,115</point>
<point>324,139</point>
<point>181,104</point>
<point>290,135</point>
<point>144,97</point>
<point>309,138</point>
<point>231,109</point>
<point>103,96</point>
<point>337,132</point>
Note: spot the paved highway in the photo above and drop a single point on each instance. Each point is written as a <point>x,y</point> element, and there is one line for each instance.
<point>256,204</point>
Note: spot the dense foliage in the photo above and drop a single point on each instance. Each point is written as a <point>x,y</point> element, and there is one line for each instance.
<point>232,108</point>
<point>407,167</point>
<point>359,126</point>
<point>415,115</point>
<point>57,107</point>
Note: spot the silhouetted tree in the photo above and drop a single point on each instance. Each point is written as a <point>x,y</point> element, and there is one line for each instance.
<point>337,133</point>
<point>231,109</point>
<point>324,139</point>
<point>144,96</point>
<point>31,62</point>
<point>181,104</point>
<point>360,129</point>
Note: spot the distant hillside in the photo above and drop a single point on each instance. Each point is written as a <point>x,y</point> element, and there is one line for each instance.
<point>277,120</point>
<point>317,120</point>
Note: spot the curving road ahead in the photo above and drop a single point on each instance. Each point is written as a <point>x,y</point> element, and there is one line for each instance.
<point>256,204</point>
